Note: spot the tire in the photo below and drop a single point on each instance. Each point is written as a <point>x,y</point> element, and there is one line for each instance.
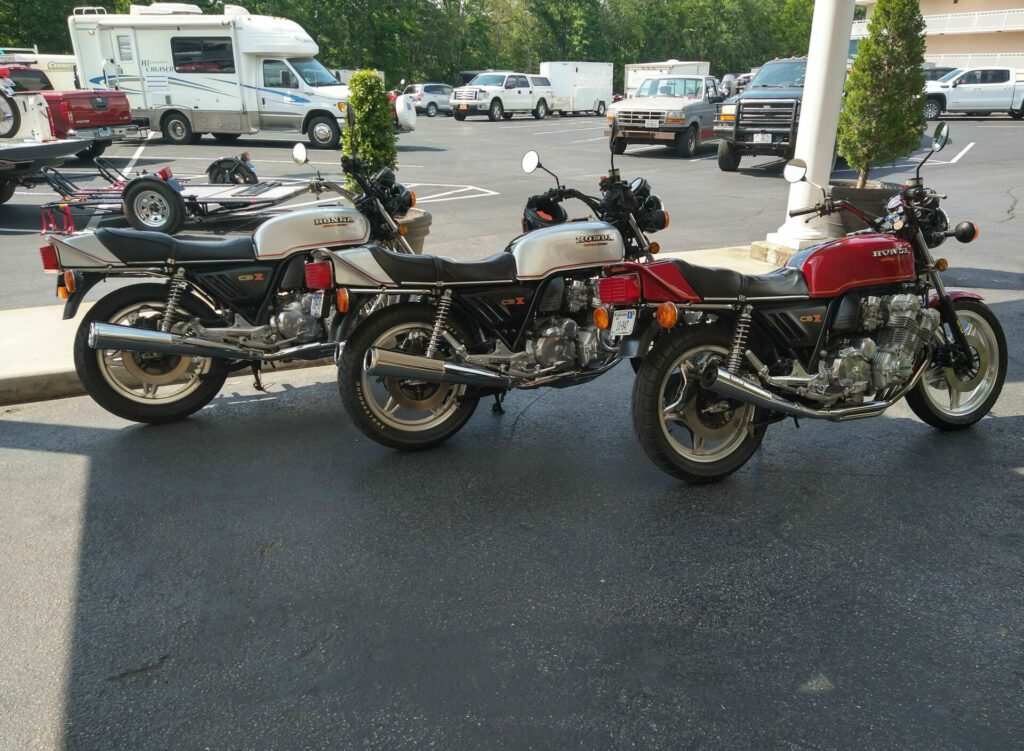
<point>92,152</point>
<point>402,414</point>
<point>728,157</point>
<point>1016,114</point>
<point>954,399</point>
<point>323,132</point>
<point>196,138</point>
<point>231,170</point>
<point>619,146</point>
<point>129,384</point>
<point>6,190</point>
<point>932,109</point>
<point>496,111</point>
<point>601,109</point>
<point>176,129</point>
<point>152,205</point>
<point>460,116</point>
<point>680,446</point>
<point>431,110</point>
<point>687,142</point>
<point>10,117</point>
<point>225,137</point>
<point>506,115</point>
<point>541,110</point>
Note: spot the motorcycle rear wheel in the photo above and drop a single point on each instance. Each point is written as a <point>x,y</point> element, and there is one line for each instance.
<point>951,398</point>
<point>140,386</point>
<point>688,432</point>
<point>403,414</point>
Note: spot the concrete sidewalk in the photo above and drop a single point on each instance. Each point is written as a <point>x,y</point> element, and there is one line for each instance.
<point>36,360</point>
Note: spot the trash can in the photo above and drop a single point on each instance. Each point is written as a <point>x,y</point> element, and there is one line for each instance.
<point>871,199</point>
<point>417,221</point>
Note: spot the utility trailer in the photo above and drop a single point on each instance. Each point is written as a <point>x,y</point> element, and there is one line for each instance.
<point>578,86</point>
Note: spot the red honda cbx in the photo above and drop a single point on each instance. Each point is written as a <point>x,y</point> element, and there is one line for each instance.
<point>845,330</point>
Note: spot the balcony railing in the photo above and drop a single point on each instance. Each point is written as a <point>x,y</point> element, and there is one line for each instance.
<point>962,23</point>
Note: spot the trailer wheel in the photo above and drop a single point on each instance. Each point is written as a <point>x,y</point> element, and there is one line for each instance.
<point>151,205</point>
<point>92,152</point>
<point>323,132</point>
<point>6,190</point>
<point>177,129</point>
<point>10,117</point>
<point>600,109</point>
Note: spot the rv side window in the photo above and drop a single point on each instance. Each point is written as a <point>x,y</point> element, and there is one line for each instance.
<point>276,74</point>
<point>203,55</point>
<point>124,48</point>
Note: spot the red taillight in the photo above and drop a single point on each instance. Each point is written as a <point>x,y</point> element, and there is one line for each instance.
<point>319,275</point>
<point>245,156</point>
<point>620,289</point>
<point>420,97</point>
<point>165,173</point>
<point>49,256</point>
<point>65,110</point>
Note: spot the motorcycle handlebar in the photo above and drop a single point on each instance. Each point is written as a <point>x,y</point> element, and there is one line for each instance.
<point>801,212</point>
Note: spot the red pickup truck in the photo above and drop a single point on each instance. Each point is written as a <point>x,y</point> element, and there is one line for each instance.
<point>98,115</point>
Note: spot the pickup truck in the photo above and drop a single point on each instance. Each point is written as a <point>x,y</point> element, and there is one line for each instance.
<point>976,91</point>
<point>677,111</point>
<point>97,116</point>
<point>501,94</point>
<point>764,118</point>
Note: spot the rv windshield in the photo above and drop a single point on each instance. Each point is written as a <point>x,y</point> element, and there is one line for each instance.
<point>312,72</point>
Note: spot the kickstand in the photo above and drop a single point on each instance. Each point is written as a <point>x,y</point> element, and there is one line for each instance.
<point>496,407</point>
<point>796,421</point>
<point>257,382</point>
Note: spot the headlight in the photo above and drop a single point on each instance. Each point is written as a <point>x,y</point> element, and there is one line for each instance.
<point>728,109</point>
<point>481,95</point>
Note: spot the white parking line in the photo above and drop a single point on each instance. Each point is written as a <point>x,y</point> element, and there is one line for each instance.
<point>258,162</point>
<point>967,148</point>
<point>588,140</point>
<point>567,130</point>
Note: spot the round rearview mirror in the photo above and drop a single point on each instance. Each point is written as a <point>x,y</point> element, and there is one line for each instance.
<point>940,137</point>
<point>795,170</point>
<point>299,155</point>
<point>531,160</point>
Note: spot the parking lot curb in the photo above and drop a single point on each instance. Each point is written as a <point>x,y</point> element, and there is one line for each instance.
<point>768,252</point>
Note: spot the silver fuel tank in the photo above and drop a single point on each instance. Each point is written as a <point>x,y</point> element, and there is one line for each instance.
<point>324,226</point>
<point>566,246</point>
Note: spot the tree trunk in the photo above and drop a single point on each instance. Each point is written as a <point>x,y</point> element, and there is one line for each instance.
<point>862,177</point>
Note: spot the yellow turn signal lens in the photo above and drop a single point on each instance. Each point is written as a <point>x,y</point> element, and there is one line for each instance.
<point>667,315</point>
<point>941,264</point>
<point>601,318</point>
<point>63,292</point>
<point>413,194</point>
<point>655,248</point>
<point>341,298</point>
<point>402,229</point>
<point>69,281</point>
<point>727,118</point>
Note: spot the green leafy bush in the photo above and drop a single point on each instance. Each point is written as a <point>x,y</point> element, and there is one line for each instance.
<point>883,114</point>
<point>374,129</point>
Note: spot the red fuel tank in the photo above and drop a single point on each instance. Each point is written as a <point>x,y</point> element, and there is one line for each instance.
<point>858,261</point>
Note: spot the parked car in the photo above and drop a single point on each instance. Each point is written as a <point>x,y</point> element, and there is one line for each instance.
<point>934,74</point>
<point>430,98</point>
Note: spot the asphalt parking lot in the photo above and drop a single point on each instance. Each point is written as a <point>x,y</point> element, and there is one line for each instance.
<point>262,576</point>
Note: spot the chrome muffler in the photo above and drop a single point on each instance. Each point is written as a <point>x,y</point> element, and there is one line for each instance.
<point>112,336</point>
<point>724,383</point>
<point>390,363</point>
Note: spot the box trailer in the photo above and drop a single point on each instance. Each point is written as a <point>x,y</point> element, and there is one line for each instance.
<point>637,72</point>
<point>187,73</point>
<point>579,86</point>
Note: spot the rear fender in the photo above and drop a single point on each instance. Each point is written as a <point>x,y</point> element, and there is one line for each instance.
<point>84,281</point>
<point>639,342</point>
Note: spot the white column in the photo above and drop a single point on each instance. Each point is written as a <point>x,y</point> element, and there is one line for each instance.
<point>819,116</point>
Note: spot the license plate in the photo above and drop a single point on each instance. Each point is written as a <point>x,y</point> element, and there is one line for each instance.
<point>316,308</point>
<point>463,106</point>
<point>762,138</point>
<point>652,123</point>
<point>104,131</point>
<point>623,322</point>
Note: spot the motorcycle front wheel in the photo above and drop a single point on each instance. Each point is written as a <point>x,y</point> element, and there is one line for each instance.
<point>688,432</point>
<point>145,386</point>
<point>400,413</point>
<point>955,397</point>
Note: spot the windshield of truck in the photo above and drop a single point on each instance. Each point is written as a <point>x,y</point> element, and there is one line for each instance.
<point>30,80</point>
<point>680,87</point>
<point>312,72</point>
<point>489,79</point>
<point>951,75</point>
<point>780,75</point>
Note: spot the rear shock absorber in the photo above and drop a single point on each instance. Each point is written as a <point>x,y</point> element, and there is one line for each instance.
<point>739,340</point>
<point>443,306</point>
<point>176,288</point>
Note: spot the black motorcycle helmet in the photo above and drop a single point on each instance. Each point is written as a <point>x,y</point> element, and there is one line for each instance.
<point>542,212</point>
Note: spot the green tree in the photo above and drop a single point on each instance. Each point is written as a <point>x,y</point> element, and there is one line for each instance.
<point>373,134</point>
<point>883,115</point>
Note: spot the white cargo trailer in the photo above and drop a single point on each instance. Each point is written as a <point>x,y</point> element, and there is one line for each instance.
<point>637,72</point>
<point>579,86</point>
<point>187,73</point>
<point>60,69</point>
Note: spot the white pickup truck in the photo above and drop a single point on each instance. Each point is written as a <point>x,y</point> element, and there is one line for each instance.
<point>977,91</point>
<point>501,94</point>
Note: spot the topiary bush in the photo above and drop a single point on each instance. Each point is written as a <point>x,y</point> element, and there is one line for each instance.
<point>374,129</point>
<point>883,113</point>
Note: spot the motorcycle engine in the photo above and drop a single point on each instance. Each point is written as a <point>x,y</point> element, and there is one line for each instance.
<point>295,320</point>
<point>562,344</point>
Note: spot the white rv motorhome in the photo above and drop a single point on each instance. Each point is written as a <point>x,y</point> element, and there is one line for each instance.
<point>187,73</point>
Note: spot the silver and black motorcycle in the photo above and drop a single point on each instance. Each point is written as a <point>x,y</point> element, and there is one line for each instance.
<point>412,373</point>
<point>156,352</point>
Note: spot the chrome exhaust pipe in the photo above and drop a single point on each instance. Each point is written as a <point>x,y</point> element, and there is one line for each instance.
<point>111,336</point>
<point>389,363</point>
<point>724,383</point>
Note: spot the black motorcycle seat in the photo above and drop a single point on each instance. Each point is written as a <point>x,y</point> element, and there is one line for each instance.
<point>413,269</point>
<point>710,282</point>
<point>131,246</point>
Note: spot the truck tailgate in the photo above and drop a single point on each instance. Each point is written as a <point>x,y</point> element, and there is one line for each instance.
<point>88,109</point>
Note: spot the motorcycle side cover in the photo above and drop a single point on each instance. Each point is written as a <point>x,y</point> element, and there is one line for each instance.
<point>858,261</point>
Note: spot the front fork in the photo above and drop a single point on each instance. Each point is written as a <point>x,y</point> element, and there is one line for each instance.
<point>960,353</point>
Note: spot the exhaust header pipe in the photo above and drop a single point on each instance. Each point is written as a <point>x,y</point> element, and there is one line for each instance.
<point>111,336</point>
<point>391,363</point>
<point>724,383</point>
